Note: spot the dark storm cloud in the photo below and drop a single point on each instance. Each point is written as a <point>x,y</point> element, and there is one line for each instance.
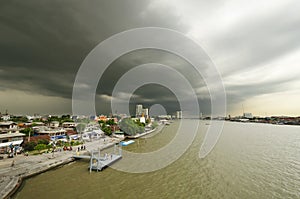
<point>43,43</point>
<point>139,57</point>
<point>150,94</point>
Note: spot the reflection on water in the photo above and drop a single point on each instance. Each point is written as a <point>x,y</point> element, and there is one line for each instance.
<point>249,161</point>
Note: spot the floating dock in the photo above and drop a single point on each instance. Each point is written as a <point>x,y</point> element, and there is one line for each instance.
<point>98,162</point>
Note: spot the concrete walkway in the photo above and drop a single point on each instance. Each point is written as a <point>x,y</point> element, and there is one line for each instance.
<point>26,166</point>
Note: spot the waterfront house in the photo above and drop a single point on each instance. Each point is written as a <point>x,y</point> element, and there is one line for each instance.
<point>54,124</point>
<point>9,135</point>
<point>8,126</point>
<point>51,132</point>
<point>5,117</point>
<point>69,125</point>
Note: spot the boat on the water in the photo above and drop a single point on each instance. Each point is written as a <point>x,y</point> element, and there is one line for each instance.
<point>127,142</point>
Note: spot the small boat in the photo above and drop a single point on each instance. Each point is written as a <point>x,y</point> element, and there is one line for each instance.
<point>127,143</point>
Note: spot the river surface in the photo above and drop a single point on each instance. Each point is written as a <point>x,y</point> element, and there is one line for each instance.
<point>249,161</point>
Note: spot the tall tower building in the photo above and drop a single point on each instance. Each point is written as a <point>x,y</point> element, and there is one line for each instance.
<point>138,110</point>
<point>179,114</point>
<point>146,112</point>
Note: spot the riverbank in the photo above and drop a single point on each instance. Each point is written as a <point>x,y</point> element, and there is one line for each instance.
<point>13,171</point>
<point>140,135</point>
<point>159,128</point>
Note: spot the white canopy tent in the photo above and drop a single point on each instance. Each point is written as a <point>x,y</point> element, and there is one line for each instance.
<point>6,144</point>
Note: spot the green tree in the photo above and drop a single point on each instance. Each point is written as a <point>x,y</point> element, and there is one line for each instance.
<point>65,118</point>
<point>36,120</point>
<point>129,127</point>
<point>53,118</point>
<point>101,122</point>
<point>148,121</point>
<point>80,128</point>
<point>106,129</point>
<point>27,131</point>
<point>111,122</point>
<point>43,141</point>
<point>139,123</point>
<point>29,146</point>
<point>154,125</point>
<point>40,147</point>
<point>19,119</point>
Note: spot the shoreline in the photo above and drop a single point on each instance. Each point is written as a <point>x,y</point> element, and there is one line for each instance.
<point>21,179</point>
<point>141,134</point>
<point>11,178</point>
<point>159,128</point>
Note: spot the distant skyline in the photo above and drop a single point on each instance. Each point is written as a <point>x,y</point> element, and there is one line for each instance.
<point>254,45</point>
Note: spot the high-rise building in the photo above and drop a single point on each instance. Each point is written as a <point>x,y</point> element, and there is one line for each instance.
<point>179,114</point>
<point>139,110</point>
<point>146,112</point>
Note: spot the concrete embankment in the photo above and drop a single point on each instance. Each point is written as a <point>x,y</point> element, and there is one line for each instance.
<point>11,177</point>
<point>158,129</point>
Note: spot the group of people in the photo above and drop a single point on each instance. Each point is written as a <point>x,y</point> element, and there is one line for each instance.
<point>81,148</point>
<point>67,148</point>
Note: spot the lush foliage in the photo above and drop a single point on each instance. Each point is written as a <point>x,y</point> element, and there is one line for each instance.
<point>106,129</point>
<point>139,123</point>
<point>19,119</point>
<point>43,141</point>
<point>27,131</point>
<point>154,125</point>
<point>110,122</point>
<point>62,119</point>
<point>106,126</point>
<point>40,147</point>
<point>29,146</point>
<point>80,127</point>
<point>129,127</point>
<point>148,121</point>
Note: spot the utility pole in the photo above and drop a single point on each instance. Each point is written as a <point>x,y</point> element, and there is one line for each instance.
<point>29,137</point>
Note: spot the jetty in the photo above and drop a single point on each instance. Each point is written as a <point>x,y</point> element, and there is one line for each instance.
<point>98,161</point>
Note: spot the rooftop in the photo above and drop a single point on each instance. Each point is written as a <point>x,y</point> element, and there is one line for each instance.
<point>9,135</point>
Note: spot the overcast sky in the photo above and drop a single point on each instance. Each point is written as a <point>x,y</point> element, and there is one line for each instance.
<point>254,45</point>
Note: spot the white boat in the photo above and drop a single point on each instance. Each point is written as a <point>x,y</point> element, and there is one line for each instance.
<point>127,142</point>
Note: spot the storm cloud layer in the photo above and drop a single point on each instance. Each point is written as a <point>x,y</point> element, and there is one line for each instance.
<point>255,46</point>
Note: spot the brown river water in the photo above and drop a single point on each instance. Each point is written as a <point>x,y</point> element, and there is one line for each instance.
<point>249,161</point>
